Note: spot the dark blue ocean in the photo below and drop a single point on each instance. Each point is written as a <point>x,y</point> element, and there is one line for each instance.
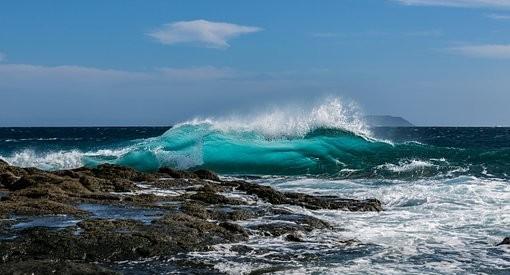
<point>445,190</point>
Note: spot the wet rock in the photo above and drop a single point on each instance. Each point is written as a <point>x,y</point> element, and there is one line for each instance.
<point>42,267</point>
<point>265,193</point>
<point>195,210</point>
<point>7,179</point>
<point>270,195</point>
<point>213,198</point>
<point>506,241</point>
<point>106,240</point>
<point>289,224</point>
<point>95,184</point>
<point>112,172</point>
<point>201,216</point>
<point>276,229</point>
<point>194,233</point>
<point>235,228</point>
<point>241,249</point>
<point>235,213</point>
<point>206,175</point>
<point>332,202</point>
<point>33,207</point>
<point>176,174</point>
<point>34,180</point>
<point>293,238</point>
<point>308,223</point>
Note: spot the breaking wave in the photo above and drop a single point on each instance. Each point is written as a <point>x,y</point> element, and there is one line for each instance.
<point>328,139</point>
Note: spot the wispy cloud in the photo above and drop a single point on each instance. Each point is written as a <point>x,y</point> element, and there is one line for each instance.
<point>201,32</point>
<point>458,3</point>
<point>493,51</point>
<point>497,16</point>
<point>88,75</point>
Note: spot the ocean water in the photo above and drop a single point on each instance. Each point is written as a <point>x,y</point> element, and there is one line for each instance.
<point>445,191</point>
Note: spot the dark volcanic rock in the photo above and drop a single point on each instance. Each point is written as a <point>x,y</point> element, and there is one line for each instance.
<point>7,179</point>
<point>506,241</point>
<point>43,267</point>
<point>34,207</point>
<point>201,211</point>
<point>107,240</point>
<point>176,174</point>
<point>289,224</point>
<point>308,201</point>
<point>331,202</point>
<point>206,175</point>
<point>213,198</point>
<point>293,238</point>
<point>265,193</point>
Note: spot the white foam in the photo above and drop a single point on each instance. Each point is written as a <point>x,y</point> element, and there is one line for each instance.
<point>293,122</point>
<point>406,166</point>
<point>452,224</point>
<point>47,161</point>
<point>57,160</point>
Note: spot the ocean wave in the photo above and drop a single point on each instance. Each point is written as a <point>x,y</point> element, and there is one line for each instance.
<point>57,160</point>
<point>291,122</point>
<point>406,165</point>
<point>324,140</point>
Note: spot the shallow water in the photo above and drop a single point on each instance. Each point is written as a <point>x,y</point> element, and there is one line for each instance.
<point>433,226</point>
<point>100,211</point>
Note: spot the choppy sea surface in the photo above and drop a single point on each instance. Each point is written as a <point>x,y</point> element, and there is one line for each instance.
<point>445,191</point>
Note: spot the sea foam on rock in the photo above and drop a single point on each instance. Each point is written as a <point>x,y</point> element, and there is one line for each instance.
<point>204,213</point>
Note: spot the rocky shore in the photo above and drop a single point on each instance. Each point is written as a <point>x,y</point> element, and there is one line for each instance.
<point>95,221</point>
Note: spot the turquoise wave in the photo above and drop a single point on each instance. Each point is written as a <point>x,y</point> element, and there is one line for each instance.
<point>321,151</point>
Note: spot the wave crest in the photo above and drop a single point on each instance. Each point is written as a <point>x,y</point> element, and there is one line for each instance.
<point>291,122</point>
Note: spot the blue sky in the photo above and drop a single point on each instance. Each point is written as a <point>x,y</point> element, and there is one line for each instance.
<point>434,62</point>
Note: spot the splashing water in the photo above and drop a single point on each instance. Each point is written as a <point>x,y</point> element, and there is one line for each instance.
<point>445,191</point>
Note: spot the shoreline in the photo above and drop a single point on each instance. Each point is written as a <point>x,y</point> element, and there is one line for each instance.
<point>96,221</point>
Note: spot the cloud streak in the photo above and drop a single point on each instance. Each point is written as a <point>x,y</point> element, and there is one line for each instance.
<point>493,51</point>
<point>14,76</point>
<point>200,32</point>
<point>496,16</point>
<point>458,3</point>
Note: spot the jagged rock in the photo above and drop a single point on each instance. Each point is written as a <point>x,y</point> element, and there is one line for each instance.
<point>506,241</point>
<point>7,179</point>
<point>176,174</point>
<point>263,192</point>
<point>43,267</point>
<point>206,175</point>
<point>213,198</point>
<point>293,238</point>
<point>201,216</point>
<point>34,207</point>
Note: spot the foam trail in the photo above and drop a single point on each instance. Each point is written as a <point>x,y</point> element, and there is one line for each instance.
<point>58,160</point>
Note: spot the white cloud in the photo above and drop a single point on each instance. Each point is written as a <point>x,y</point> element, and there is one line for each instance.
<point>202,32</point>
<point>496,16</point>
<point>2,56</point>
<point>459,3</point>
<point>484,51</point>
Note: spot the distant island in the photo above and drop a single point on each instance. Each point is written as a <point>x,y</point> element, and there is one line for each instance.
<point>387,121</point>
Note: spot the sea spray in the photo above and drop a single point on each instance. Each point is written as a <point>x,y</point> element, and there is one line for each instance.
<point>328,139</point>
